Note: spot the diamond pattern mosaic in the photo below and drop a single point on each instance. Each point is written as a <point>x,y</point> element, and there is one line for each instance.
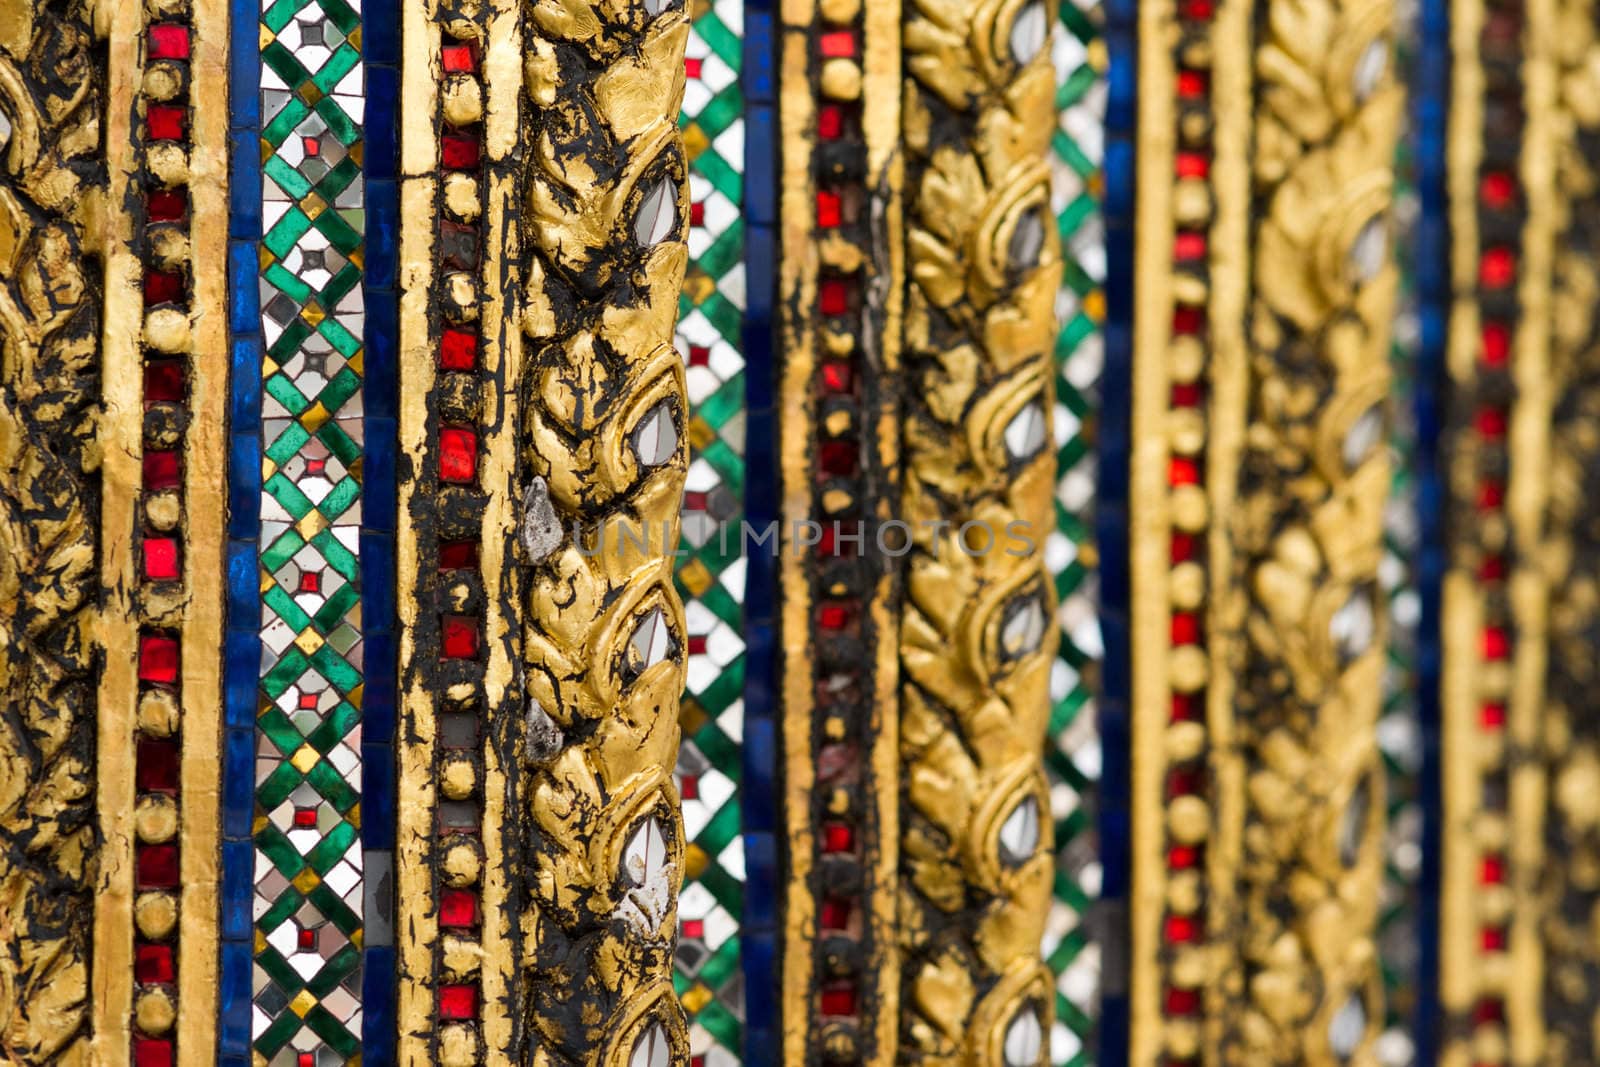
<point>1073,758</point>
<point>308,881</point>
<point>711,576</point>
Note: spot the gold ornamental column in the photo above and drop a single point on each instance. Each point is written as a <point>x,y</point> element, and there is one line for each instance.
<point>978,634</point>
<point>113,358</point>
<point>1263,299</point>
<point>542,414</point>
<point>1518,956</point>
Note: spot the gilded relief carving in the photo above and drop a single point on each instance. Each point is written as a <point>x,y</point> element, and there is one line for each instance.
<point>1306,533</point>
<point>52,177</point>
<point>976,632</point>
<point>603,456</point>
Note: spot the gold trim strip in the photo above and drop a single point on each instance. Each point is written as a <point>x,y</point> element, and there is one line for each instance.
<point>416,906</point>
<point>206,463</point>
<point>501,274</point>
<point>1150,526</point>
<point>797,294</point>
<point>121,435</point>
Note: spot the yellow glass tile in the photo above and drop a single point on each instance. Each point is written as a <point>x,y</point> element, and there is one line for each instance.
<point>302,1003</point>
<point>305,757</point>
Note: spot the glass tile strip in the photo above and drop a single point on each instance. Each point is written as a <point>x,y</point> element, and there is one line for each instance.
<point>711,573</point>
<point>308,877</point>
<point>1072,761</point>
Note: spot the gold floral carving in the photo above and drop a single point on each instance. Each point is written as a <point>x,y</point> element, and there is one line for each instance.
<point>52,94</point>
<point>977,633</point>
<point>1277,248</point>
<point>604,450</point>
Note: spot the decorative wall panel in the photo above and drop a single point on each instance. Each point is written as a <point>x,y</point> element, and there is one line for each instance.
<point>559,532</point>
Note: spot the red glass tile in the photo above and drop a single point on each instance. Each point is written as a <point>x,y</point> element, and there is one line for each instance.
<point>834,296</point>
<point>1187,707</point>
<point>158,658</point>
<point>306,1059</point>
<point>1193,165</point>
<point>693,929</point>
<point>1182,1001</point>
<point>1491,495</point>
<point>458,908</point>
<point>458,454</point>
<point>459,58</point>
<point>1489,1010</point>
<point>152,1052</point>
<point>1191,84</point>
<point>162,287</point>
<point>460,637</point>
<point>693,501</point>
<point>168,41</point>
<point>1497,190</point>
<point>1491,422</point>
<point>1185,628</point>
<point>699,356</point>
<point>833,616</point>
<point>1186,395</point>
<point>837,837</point>
<point>308,701</point>
<point>166,205</point>
<point>1188,245</point>
<point>1496,642</point>
<point>165,122</point>
<point>160,470</point>
<point>830,122</point>
<point>1187,320</point>
<point>305,818</point>
<point>697,214</point>
<point>1494,939</point>
<point>310,582</point>
<point>836,377</point>
<point>160,556</point>
<point>458,350</point>
<point>1182,470</point>
<point>458,555</point>
<point>1497,267</point>
<point>461,153</point>
<point>697,645</point>
<point>458,1002</point>
<point>1183,857</point>
<point>156,867</point>
<point>1492,569</point>
<point>1197,10</point>
<point>1183,547</point>
<point>1492,716</point>
<point>838,44</point>
<point>163,381</point>
<point>306,939</point>
<point>691,67</point>
<point>835,913</point>
<point>156,767</point>
<point>839,1000</point>
<point>1492,871</point>
<point>828,209</point>
<point>1186,782</point>
<point>1496,341</point>
<point>689,788</point>
<point>311,145</point>
<point>838,458</point>
<point>1181,929</point>
<point>315,467</point>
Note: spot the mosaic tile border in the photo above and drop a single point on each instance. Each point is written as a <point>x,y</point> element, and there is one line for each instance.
<point>300,614</point>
